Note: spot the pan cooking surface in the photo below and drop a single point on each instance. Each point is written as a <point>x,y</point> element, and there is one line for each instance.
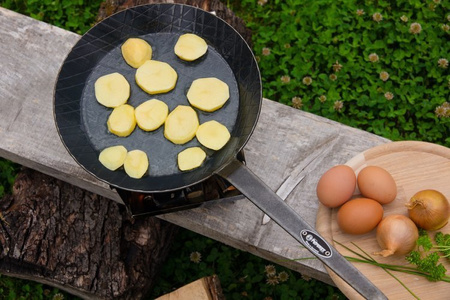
<point>161,152</point>
<point>81,120</point>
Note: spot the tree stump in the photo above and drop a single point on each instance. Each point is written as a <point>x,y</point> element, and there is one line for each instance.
<point>58,234</point>
<point>109,7</point>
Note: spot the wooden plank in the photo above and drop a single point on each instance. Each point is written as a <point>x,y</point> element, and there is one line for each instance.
<point>31,53</point>
<point>206,288</point>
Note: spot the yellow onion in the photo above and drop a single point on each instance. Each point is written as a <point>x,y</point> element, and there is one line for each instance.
<point>429,209</point>
<point>396,234</point>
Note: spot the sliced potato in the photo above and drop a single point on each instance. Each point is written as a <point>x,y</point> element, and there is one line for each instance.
<point>151,114</point>
<point>213,135</point>
<point>136,51</point>
<point>190,47</point>
<point>191,158</point>
<point>181,125</point>
<point>113,157</point>
<point>156,77</point>
<point>112,90</point>
<point>136,163</point>
<point>122,121</point>
<point>208,94</point>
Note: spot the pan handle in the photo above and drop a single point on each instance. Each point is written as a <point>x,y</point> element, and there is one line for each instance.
<point>267,200</point>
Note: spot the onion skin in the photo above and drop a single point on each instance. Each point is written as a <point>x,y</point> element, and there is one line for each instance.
<point>429,209</point>
<point>396,234</point>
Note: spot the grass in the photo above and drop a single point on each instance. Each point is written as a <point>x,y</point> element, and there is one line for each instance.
<point>242,275</point>
<point>381,66</point>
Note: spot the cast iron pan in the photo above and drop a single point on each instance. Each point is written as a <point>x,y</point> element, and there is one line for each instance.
<point>81,121</point>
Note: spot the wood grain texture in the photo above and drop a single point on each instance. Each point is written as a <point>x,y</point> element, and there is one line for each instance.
<point>31,53</point>
<point>206,288</point>
<point>414,166</point>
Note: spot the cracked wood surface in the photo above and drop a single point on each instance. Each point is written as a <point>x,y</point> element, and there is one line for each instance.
<point>285,141</point>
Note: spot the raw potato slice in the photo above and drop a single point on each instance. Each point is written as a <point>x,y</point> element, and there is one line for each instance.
<point>113,157</point>
<point>136,51</point>
<point>190,47</point>
<point>112,90</point>
<point>208,94</point>
<point>213,135</point>
<point>181,125</point>
<point>122,121</point>
<point>136,164</point>
<point>156,77</point>
<point>191,158</point>
<point>151,114</point>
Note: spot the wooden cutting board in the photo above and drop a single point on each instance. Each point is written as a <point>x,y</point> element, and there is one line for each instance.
<point>414,166</point>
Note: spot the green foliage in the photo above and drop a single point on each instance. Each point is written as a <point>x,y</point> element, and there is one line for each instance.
<point>18,289</point>
<point>8,172</point>
<point>443,243</point>
<point>428,264</point>
<point>297,39</point>
<point>428,261</point>
<point>74,15</point>
<point>242,276</point>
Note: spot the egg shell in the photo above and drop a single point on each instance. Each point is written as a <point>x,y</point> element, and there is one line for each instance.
<point>376,183</point>
<point>359,215</point>
<point>336,186</point>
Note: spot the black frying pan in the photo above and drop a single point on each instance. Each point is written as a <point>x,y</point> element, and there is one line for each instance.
<point>81,121</point>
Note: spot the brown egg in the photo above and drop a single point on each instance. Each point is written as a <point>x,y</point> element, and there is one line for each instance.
<point>376,183</point>
<point>359,216</point>
<point>336,186</point>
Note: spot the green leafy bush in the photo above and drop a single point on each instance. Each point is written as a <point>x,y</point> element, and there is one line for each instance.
<point>19,289</point>
<point>74,15</point>
<point>8,172</point>
<point>242,276</point>
<point>381,66</point>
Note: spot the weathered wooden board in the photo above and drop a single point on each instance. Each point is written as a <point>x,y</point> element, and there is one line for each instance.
<point>414,166</point>
<point>31,54</point>
<point>206,288</point>
<point>285,139</point>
